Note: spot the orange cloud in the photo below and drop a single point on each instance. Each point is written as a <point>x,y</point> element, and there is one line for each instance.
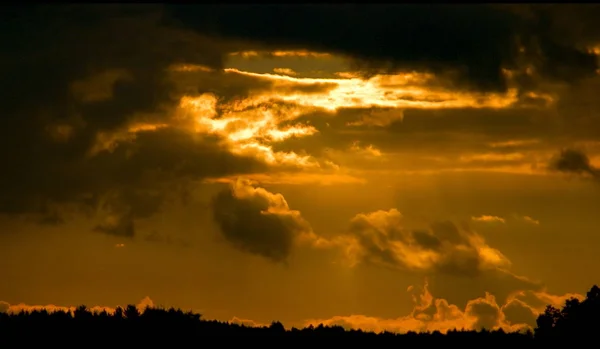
<point>428,314</point>
<point>384,91</point>
<point>490,157</point>
<point>368,150</point>
<point>246,322</point>
<point>379,238</point>
<point>531,220</point>
<point>514,143</point>
<point>285,71</point>
<point>108,141</point>
<point>488,219</point>
<point>435,314</point>
<point>249,131</point>
<point>281,54</point>
<point>254,123</point>
<point>296,178</point>
<point>17,308</point>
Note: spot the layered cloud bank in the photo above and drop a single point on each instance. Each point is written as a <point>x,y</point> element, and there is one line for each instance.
<point>379,239</point>
<point>114,137</point>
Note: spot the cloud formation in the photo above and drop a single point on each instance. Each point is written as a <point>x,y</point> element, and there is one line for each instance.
<point>379,238</point>
<point>438,314</point>
<point>412,37</point>
<point>575,162</point>
<point>6,307</point>
<point>454,257</point>
<point>429,313</point>
<point>258,221</point>
<point>85,113</point>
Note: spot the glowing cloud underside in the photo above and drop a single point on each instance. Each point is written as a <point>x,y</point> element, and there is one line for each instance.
<point>252,125</point>
<point>408,90</point>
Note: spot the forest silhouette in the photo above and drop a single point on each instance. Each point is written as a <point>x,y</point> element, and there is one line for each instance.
<point>577,319</point>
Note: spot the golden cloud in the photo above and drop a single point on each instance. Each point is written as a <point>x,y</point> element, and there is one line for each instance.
<point>488,219</point>
<point>379,238</point>
<point>383,91</point>
<point>21,307</point>
<point>281,54</point>
<point>429,313</point>
<point>435,314</point>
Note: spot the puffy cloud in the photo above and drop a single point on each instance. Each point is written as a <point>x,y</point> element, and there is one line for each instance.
<point>258,221</point>
<point>518,312</point>
<point>457,260</point>
<point>379,238</point>
<point>429,313</point>
<point>438,314</point>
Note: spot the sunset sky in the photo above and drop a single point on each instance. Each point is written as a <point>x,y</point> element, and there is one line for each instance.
<point>397,167</point>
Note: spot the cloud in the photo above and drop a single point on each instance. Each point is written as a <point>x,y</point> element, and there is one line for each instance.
<point>458,261</point>
<point>401,90</point>
<point>119,131</point>
<point>410,37</point>
<point>488,219</point>
<point>258,221</point>
<point>438,314</point>
<point>533,221</point>
<point>285,71</point>
<point>379,238</point>
<point>575,162</point>
<point>429,313</point>
<point>115,138</point>
<point>246,322</point>
<point>6,307</point>
<point>88,123</point>
<point>496,219</point>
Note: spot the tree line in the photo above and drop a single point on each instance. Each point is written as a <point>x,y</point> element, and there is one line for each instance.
<point>577,319</point>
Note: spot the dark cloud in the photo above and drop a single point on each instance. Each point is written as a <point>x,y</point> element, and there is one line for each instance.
<point>257,221</point>
<point>574,161</point>
<point>75,77</point>
<point>132,181</point>
<point>475,41</point>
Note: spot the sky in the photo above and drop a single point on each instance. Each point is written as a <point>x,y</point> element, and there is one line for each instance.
<point>389,167</point>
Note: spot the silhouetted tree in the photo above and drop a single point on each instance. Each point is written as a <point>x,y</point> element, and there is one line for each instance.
<point>576,318</point>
